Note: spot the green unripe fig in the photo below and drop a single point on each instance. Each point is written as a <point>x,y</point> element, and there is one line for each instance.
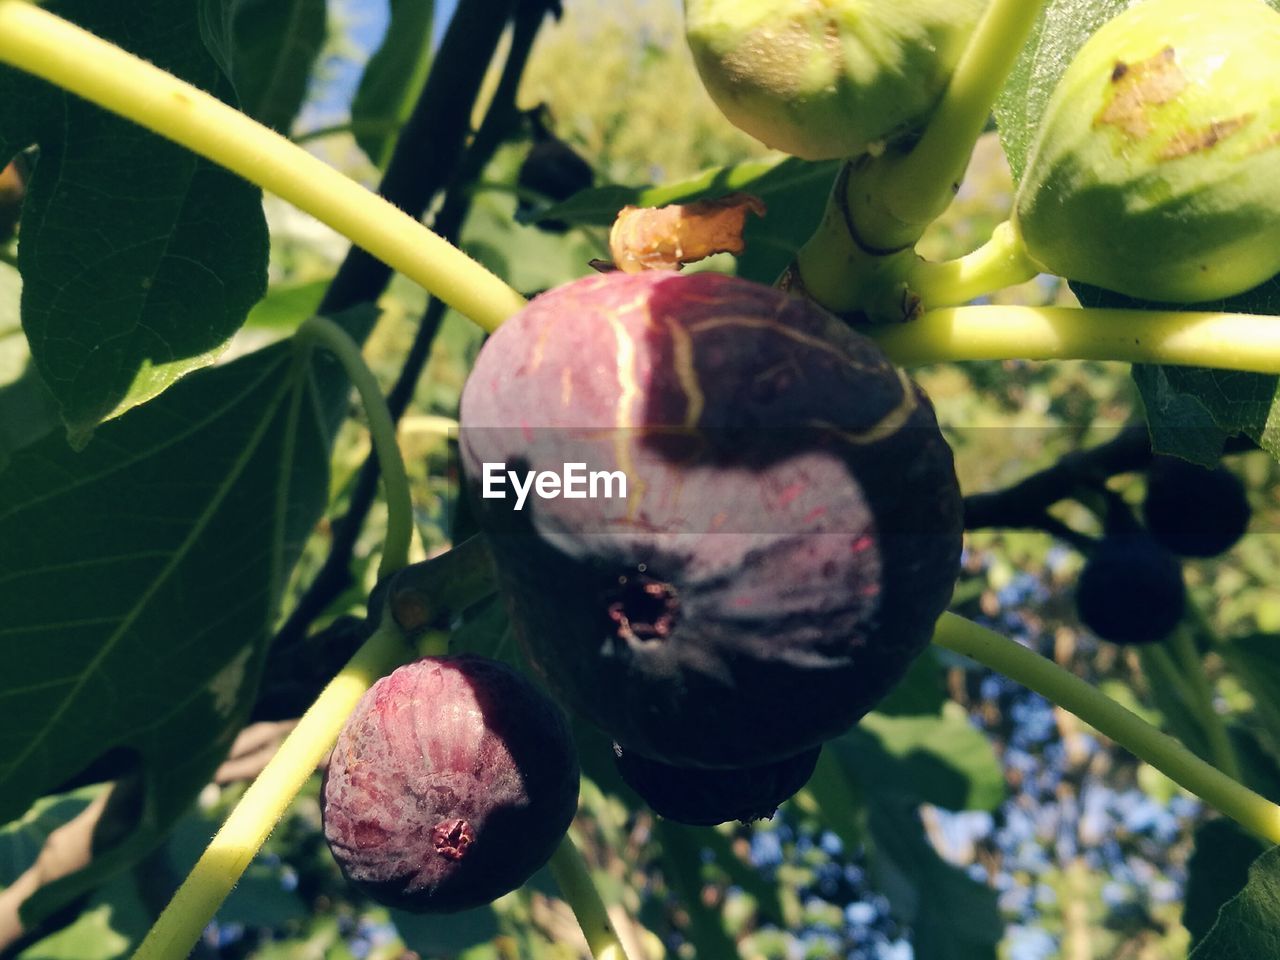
<point>1156,167</point>
<point>822,79</point>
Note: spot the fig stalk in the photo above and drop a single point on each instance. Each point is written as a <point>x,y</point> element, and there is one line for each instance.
<point>1231,798</point>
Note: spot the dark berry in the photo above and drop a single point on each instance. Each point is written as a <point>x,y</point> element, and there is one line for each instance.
<point>1193,510</point>
<point>1131,590</point>
<point>452,782</point>
<point>551,169</point>
<point>791,526</point>
<point>704,797</point>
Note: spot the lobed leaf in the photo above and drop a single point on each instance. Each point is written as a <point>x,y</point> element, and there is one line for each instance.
<point>393,78</point>
<point>1216,872</point>
<point>139,259</point>
<point>140,579</point>
<point>273,50</point>
<point>1247,924</point>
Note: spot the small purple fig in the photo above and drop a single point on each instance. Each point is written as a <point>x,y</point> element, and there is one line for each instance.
<point>1131,589</point>
<point>1193,510</point>
<point>452,782</point>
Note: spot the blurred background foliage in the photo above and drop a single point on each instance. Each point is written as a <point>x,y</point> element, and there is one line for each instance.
<point>968,819</point>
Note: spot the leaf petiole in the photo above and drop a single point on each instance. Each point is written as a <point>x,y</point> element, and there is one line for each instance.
<point>1252,811</point>
<point>382,429</point>
<point>579,891</point>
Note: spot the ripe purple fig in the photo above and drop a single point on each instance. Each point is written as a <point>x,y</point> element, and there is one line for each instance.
<point>788,533</point>
<point>703,798</point>
<point>1192,510</point>
<point>1131,590</point>
<point>452,782</point>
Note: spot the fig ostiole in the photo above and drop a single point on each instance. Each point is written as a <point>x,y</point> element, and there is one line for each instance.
<point>830,79</point>
<point>1155,172</point>
<point>452,782</point>
<point>791,529</point>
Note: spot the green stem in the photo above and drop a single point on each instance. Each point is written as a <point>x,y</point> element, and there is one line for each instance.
<point>382,430</point>
<point>229,853</point>
<point>1215,730</point>
<point>34,40</point>
<point>1000,262</point>
<point>445,428</point>
<point>1228,341</point>
<point>579,891</point>
<point>1126,728</point>
<point>921,185</point>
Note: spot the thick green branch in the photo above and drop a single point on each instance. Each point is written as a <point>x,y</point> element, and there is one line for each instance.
<point>1251,811</point>
<point>34,40</point>
<point>920,186</point>
<point>1228,341</point>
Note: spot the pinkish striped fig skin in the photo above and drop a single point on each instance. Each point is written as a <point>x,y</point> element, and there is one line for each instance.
<point>792,526</point>
<point>452,782</point>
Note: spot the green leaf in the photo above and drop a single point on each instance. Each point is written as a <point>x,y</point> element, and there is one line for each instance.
<point>1255,663</point>
<point>393,79</point>
<point>1217,871</point>
<point>21,840</point>
<point>1062,29</point>
<point>140,577</point>
<point>429,937</point>
<point>941,759</point>
<point>682,868</point>
<point>139,259</point>
<point>920,691</point>
<point>1179,420</point>
<point>217,31</point>
<point>951,916</point>
<point>1248,925</point>
<point>285,307</point>
<point>111,925</point>
<point>275,45</point>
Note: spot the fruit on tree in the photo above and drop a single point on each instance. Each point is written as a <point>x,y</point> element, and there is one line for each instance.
<point>704,797</point>
<point>1195,511</point>
<point>791,526</point>
<point>830,79</point>
<point>1131,589</point>
<point>1155,171</point>
<point>452,782</point>
<point>552,169</point>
